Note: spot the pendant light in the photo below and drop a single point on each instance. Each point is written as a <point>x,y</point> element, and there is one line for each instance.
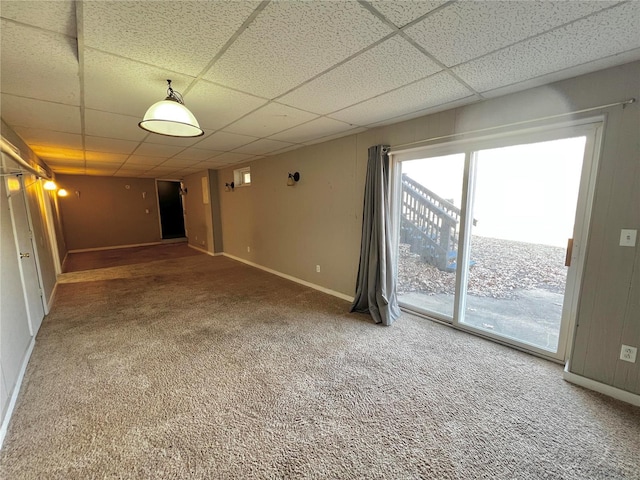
<point>170,117</point>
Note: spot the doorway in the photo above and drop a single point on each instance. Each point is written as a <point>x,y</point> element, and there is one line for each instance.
<point>483,232</point>
<point>26,250</point>
<point>171,209</point>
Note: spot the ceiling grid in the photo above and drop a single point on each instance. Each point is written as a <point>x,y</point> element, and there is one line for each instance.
<point>264,77</point>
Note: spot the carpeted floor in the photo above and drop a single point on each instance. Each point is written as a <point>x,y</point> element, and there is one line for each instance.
<point>126,256</point>
<point>202,367</point>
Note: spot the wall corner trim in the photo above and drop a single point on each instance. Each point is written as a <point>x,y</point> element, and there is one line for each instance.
<point>603,388</point>
<point>52,297</point>
<point>293,279</point>
<point>203,250</point>
<point>16,392</point>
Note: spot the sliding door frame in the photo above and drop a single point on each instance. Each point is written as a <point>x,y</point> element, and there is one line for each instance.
<point>592,128</point>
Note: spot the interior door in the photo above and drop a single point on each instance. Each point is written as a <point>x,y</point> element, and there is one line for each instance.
<point>15,331</point>
<point>23,235</point>
<point>171,209</point>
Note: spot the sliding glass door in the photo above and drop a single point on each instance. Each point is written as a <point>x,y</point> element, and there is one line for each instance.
<point>483,231</point>
<point>429,233</point>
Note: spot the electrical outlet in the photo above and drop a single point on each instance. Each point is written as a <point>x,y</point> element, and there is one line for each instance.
<point>318,268</point>
<point>248,249</point>
<point>628,354</point>
<point>628,237</point>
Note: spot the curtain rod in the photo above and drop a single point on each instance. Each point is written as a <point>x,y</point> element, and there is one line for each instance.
<point>8,148</point>
<point>590,109</point>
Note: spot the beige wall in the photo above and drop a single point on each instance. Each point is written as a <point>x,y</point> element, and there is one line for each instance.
<point>292,229</point>
<point>107,213</point>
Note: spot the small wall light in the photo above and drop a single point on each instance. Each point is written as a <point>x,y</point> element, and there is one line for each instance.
<point>50,185</point>
<point>293,179</point>
<point>62,192</point>
<point>13,184</point>
<point>228,187</point>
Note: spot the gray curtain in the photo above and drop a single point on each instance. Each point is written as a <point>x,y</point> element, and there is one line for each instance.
<point>376,284</point>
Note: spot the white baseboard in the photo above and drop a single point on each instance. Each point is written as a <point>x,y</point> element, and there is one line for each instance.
<point>16,392</point>
<point>115,247</point>
<point>603,388</point>
<point>51,297</point>
<point>293,279</point>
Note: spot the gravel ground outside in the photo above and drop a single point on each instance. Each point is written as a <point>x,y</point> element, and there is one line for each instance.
<point>502,268</point>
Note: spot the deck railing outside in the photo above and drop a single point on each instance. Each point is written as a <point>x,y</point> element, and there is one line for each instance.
<point>429,224</point>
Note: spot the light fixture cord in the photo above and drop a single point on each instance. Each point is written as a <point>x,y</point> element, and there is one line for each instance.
<point>173,95</point>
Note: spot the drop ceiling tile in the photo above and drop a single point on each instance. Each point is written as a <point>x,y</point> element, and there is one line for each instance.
<point>231,157</point>
<point>179,163</point>
<point>162,171</point>
<point>320,127</point>
<point>197,154</point>
<point>438,89</point>
<point>118,158</point>
<point>111,125</point>
<point>181,36</point>
<point>427,111</point>
<point>183,172</point>
<point>131,168</point>
<point>156,150</point>
<point>58,16</point>
<point>215,106</point>
<point>104,165</point>
<point>38,136</point>
<point>262,147</point>
<point>175,141</point>
<point>401,12</point>
<point>209,164</point>
<point>465,30</point>
<point>129,173</point>
<point>119,85</point>
<point>328,138</point>
<point>109,145</point>
<point>563,48</point>
<point>286,149</point>
<point>53,153</point>
<point>26,112</point>
<point>582,69</point>
<point>225,141</point>
<point>38,64</point>
<point>141,160</point>
<point>385,67</point>
<point>270,119</point>
<point>314,35</point>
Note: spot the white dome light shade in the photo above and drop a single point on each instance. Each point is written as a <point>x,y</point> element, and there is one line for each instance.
<point>171,118</point>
